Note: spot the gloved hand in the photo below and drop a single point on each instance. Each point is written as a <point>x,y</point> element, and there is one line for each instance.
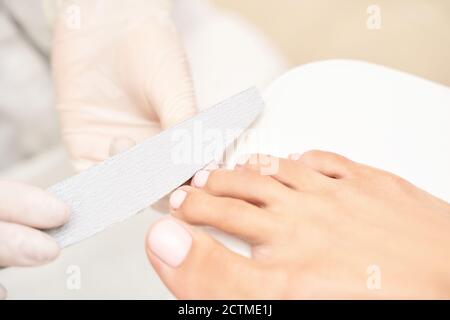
<point>24,210</point>
<point>121,75</point>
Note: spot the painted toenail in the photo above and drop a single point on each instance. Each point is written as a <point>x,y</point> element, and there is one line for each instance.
<point>295,156</point>
<point>177,199</point>
<point>200,179</point>
<point>170,242</point>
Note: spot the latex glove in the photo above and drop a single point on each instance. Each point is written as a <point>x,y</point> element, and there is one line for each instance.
<point>120,79</point>
<point>24,210</point>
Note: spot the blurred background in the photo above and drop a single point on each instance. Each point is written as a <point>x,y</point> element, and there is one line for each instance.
<point>413,36</point>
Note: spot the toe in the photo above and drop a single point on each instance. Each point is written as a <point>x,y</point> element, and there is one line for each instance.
<point>329,164</point>
<point>292,173</point>
<point>195,266</point>
<point>261,190</point>
<point>231,215</point>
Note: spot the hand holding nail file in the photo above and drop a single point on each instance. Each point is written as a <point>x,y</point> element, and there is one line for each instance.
<point>122,186</point>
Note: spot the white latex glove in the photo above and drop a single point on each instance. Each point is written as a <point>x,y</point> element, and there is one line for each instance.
<point>120,78</point>
<point>24,210</point>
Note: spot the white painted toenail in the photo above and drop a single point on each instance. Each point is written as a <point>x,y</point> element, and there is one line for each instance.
<point>177,199</point>
<point>200,179</point>
<point>170,242</point>
<point>295,156</point>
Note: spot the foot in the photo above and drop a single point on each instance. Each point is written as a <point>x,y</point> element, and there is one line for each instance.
<point>321,226</point>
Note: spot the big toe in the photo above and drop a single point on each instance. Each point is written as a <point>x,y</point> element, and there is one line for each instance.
<point>195,266</point>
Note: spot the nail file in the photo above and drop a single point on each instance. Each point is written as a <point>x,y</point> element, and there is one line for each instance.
<point>120,187</point>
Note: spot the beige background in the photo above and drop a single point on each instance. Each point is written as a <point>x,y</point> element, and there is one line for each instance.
<point>414,34</point>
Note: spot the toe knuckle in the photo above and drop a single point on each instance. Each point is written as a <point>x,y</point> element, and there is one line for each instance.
<point>393,179</point>
<point>335,158</point>
<point>318,155</point>
<point>312,155</point>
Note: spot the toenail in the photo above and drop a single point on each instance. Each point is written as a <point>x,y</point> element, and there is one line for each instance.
<point>200,179</point>
<point>295,156</point>
<point>177,199</point>
<point>170,242</point>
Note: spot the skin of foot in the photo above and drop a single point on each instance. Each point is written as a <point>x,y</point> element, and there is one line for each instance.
<point>320,227</point>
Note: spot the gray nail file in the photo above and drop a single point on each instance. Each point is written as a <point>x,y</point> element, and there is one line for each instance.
<point>120,187</point>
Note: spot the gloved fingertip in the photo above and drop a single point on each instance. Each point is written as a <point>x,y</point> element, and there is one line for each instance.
<point>41,251</point>
<point>33,207</point>
<point>51,250</point>
<point>52,211</point>
<point>61,212</point>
